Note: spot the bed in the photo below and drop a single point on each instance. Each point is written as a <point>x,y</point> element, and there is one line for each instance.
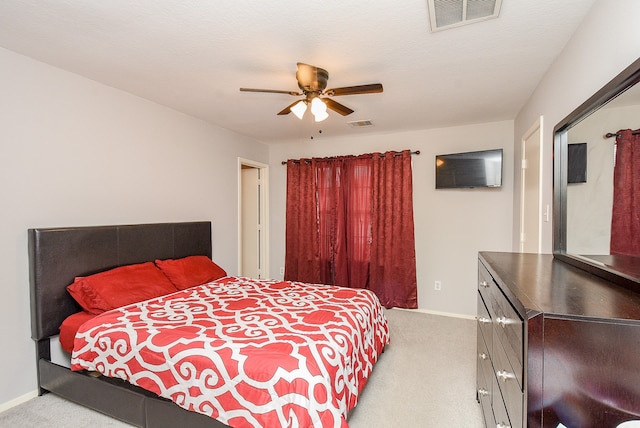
<point>58,256</point>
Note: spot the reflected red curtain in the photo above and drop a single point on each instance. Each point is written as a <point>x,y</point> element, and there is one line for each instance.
<point>350,223</point>
<point>625,219</point>
<point>393,257</point>
<point>302,261</point>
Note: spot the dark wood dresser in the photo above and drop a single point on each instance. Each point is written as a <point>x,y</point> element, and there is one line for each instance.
<point>556,345</point>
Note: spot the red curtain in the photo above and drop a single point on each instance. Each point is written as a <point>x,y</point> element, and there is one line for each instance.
<point>358,196</point>
<point>344,220</point>
<point>359,210</point>
<point>302,261</point>
<point>331,222</point>
<point>393,257</point>
<point>625,220</point>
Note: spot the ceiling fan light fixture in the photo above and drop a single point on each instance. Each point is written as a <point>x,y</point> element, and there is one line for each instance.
<point>317,106</point>
<point>320,116</point>
<point>312,81</point>
<point>299,109</point>
<point>319,109</point>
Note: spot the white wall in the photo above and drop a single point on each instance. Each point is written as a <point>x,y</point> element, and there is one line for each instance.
<point>607,41</point>
<point>75,152</point>
<point>451,226</point>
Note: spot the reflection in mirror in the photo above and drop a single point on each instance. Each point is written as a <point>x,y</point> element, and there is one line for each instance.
<point>583,205</point>
<point>589,203</point>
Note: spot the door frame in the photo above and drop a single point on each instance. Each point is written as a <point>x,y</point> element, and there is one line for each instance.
<point>536,127</point>
<point>264,213</point>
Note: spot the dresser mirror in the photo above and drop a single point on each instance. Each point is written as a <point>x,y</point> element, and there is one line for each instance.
<point>583,179</point>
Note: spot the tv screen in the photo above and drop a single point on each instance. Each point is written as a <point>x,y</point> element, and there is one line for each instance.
<point>577,163</point>
<point>470,169</point>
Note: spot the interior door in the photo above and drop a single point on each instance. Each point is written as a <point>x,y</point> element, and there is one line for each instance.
<point>251,222</point>
<point>531,195</point>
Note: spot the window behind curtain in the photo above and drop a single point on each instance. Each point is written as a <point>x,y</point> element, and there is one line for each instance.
<point>350,223</point>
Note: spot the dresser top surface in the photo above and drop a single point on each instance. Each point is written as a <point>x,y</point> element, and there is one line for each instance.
<point>543,284</point>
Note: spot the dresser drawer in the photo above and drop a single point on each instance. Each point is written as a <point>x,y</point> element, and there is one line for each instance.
<point>510,388</point>
<point>509,328</point>
<point>485,384</point>
<point>485,283</point>
<point>485,324</point>
<point>501,418</point>
<point>487,412</point>
<point>485,368</point>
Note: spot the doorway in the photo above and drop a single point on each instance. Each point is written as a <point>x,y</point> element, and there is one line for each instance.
<point>531,192</point>
<point>252,219</point>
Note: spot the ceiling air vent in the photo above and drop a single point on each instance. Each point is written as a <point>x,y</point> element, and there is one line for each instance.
<point>444,14</point>
<point>360,123</point>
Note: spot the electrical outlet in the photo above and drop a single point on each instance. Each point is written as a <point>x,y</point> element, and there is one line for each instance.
<point>437,286</point>
<point>282,271</point>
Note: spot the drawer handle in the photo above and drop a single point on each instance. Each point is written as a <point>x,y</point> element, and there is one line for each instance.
<point>482,356</point>
<point>504,375</point>
<point>484,284</point>
<point>484,320</point>
<point>502,425</point>
<point>503,321</point>
<point>483,392</point>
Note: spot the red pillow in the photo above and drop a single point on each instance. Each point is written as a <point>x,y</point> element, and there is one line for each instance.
<point>119,287</point>
<point>190,271</point>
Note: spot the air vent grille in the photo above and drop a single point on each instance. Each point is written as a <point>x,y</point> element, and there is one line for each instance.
<point>444,14</point>
<point>360,123</point>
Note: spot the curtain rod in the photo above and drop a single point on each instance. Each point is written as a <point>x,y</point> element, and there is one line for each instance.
<point>617,134</point>
<point>417,152</point>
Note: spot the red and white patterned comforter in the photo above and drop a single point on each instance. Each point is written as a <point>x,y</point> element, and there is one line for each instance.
<point>247,352</point>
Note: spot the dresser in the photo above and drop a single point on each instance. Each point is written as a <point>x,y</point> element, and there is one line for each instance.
<point>556,345</point>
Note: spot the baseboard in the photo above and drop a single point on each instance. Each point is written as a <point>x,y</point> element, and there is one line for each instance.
<point>444,314</point>
<point>19,400</point>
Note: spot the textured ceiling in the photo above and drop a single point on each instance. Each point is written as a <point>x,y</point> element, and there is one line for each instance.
<point>194,56</point>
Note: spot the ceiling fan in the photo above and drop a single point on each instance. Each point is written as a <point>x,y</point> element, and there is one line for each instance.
<point>312,81</point>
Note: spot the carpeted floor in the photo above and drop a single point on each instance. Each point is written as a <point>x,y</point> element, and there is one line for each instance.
<point>425,378</point>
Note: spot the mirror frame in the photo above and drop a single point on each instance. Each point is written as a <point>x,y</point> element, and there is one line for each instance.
<point>623,81</point>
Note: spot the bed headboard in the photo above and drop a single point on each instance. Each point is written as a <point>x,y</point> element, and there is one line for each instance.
<point>58,255</point>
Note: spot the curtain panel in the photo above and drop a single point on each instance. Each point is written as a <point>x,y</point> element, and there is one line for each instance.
<point>350,223</point>
<point>625,218</point>
<point>302,261</point>
<point>393,255</point>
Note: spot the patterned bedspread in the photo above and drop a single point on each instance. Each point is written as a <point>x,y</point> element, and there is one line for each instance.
<point>247,352</point>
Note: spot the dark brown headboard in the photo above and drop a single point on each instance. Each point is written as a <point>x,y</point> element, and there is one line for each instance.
<point>58,255</point>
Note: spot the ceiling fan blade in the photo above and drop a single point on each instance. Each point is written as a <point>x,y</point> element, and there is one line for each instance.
<point>287,109</point>
<point>353,90</point>
<point>272,91</point>
<point>337,107</point>
<point>311,78</point>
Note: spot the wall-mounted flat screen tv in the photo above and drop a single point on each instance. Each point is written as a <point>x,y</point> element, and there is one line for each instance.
<point>577,163</point>
<point>470,169</point>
